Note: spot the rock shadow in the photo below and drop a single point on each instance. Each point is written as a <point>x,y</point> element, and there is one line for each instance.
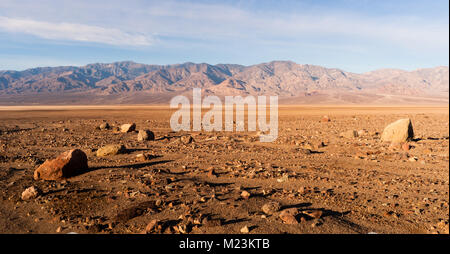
<point>132,166</point>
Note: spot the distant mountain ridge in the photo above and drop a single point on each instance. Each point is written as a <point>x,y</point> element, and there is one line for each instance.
<point>133,83</point>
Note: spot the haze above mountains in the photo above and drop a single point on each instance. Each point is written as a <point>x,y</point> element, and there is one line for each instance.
<point>134,83</point>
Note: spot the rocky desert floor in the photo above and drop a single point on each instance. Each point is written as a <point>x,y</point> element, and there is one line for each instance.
<point>314,180</point>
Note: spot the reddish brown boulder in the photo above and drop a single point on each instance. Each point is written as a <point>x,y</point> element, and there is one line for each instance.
<point>65,165</point>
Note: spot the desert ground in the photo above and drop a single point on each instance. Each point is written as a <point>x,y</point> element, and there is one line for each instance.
<point>219,182</point>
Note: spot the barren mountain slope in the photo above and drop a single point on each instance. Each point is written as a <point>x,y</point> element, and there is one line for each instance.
<point>129,82</point>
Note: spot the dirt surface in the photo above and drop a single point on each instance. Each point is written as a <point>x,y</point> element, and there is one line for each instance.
<point>346,185</point>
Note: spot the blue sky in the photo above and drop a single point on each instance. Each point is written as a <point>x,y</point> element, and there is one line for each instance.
<point>353,35</point>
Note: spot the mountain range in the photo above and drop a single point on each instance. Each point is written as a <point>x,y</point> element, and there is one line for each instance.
<point>134,83</point>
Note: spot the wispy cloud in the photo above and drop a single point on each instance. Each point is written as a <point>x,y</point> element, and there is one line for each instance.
<point>73,32</point>
<point>218,21</point>
<point>362,34</point>
<point>134,21</point>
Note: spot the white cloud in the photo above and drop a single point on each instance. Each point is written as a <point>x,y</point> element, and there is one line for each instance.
<point>244,30</point>
<point>220,22</point>
<point>73,32</point>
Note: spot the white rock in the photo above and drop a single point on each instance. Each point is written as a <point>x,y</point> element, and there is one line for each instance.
<point>129,127</point>
<point>30,193</point>
<point>398,132</point>
<point>245,230</point>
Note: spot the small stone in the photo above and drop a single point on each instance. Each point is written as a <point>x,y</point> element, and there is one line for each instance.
<point>271,207</point>
<point>288,216</point>
<point>211,172</point>
<point>283,179</point>
<point>186,139</point>
<point>245,230</point>
<point>58,230</point>
<point>30,193</point>
<point>129,127</point>
<point>111,150</point>
<point>319,144</point>
<point>325,119</point>
<point>413,159</point>
<point>245,194</point>
<point>308,147</point>
<point>141,157</point>
<point>104,126</point>
<point>145,135</point>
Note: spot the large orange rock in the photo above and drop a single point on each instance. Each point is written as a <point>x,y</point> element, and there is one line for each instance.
<point>67,164</point>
